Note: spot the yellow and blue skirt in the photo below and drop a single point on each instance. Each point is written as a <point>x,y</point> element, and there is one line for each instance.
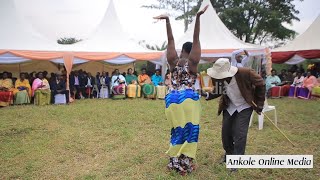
<point>183,111</point>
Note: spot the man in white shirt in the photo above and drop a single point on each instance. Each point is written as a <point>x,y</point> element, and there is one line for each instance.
<point>240,58</point>
<point>118,85</point>
<point>240,89</point>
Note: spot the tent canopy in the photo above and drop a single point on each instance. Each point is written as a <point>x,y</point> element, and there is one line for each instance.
<point>305,46</point>
<point>21,43</point>
<point>216,39</point>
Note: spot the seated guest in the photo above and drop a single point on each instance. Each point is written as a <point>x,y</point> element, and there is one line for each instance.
<point>133,89</point>
<point>316,89</point>
<point>157,78</point>
<point>96,86</point>
<point>148,89</point>
<point>271,84</point>
<point>90,82</point>
<point>6,91</point>
<point>167,80</point>
<point>118,85</point>
<point>41,90</point>
<point>157,81</point>
<point>58,86</point>
<point>283,75</point>
<point>130,77</point>
<point>296,85</point>
<point>308,83</point>
<point>77,85</point>
<point>23,90</point>
<point>104,85</point>
<point>286,83</point>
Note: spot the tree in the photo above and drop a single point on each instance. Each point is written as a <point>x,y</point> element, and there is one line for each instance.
<point>184,9</point>
<point>256,21</point>
<point>154,47</point>
<point>68,40</point>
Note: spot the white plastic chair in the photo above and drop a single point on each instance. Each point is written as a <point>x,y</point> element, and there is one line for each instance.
<point>266,108</point>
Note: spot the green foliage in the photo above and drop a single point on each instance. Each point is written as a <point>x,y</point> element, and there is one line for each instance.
<point>256,21</point>
<point>68,40</point>
<point>183,9</point>
<point>155,47</point>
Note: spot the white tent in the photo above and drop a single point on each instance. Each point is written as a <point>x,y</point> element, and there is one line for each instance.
<point>305,46</point>
<point>110,37</point>
<point>15,34</point>
<point>20,43</point>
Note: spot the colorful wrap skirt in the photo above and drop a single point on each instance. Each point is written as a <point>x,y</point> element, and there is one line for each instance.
<point>161,92</point>
<point>133,91</point>
<point>183,111</point>
<point>119,92</point>
<point>149,91</point>
<point>22,97</point>
<point>304,93</point>
<point>6,98</point>
<point>42,97</point>
<point>294,91</point>
<point>316,91</point>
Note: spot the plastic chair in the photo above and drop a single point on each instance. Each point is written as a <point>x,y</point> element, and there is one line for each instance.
<point>266,108</point>
<point>60,99</point>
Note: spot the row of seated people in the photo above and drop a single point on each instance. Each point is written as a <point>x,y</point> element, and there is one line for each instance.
<point>294,85</point>
<point>43,91</point>
<point>40,91</point>
<point>119,86</point>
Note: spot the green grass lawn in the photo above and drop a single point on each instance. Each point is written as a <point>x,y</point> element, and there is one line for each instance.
<point>127,139</point>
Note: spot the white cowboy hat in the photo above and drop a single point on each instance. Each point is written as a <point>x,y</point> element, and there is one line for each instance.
<point>222,69</point>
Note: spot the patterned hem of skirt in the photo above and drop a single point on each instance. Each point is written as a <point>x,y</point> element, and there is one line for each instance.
<point>182,164</point>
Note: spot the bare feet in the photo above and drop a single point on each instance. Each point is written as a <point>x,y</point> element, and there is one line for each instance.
<point>203,10</point>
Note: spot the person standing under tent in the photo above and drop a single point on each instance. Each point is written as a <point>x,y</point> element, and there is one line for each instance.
<point>240,58</point>
<point>182,102</point>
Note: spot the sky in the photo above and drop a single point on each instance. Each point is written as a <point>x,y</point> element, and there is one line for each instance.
<point>80,18</point>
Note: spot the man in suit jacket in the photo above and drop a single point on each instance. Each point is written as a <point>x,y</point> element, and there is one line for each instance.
<point>239,88</point>
<point>58,86</point>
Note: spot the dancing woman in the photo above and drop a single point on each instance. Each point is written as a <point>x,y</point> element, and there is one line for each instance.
<point>182,102</point>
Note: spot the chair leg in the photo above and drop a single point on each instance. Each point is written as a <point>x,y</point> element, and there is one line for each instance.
<point>251,117</point>
<point>260,119</point>
<point>275,117</point>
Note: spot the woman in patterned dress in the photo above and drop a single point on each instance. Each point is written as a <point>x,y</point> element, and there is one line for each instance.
<point>182,102</point>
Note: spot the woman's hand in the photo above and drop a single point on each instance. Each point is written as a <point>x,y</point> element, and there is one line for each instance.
<point>163,16</point>
<point>203,10</point>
